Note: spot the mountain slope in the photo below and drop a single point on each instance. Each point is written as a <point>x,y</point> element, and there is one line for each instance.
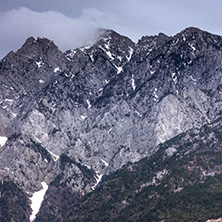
<point>180,182</point>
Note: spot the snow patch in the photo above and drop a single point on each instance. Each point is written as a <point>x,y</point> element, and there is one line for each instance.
<point>174,77</point>
<point>89,105</point>
<point>39,64</point>
<point>139,114</point>
<point>36,200</point>
<point>98,179</point>
<point>83,117</point>
<point>41,81</point>
<point>57,69</point>
<point>71,54</point>
<point>189,62</point>
<point>106,164</point>
<point>130,54</point>
<point>108,53</point>
<point>107,46</point>
<point>85,47</point>
<point>119,69</point>
<point>193,79</point>
<point>133,83</point>
<point>9,100</point>
<point>110,130</point>
<point>14,114</point>
<point>192,46</point>
<point>155,95</point>
<point>91,57</point>
<point>54,156</point>
<point>3,140</point>
<point>120,58</point>
<point>175,42</point>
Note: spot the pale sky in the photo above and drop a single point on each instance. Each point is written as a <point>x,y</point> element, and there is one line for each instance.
<point>72,23</point>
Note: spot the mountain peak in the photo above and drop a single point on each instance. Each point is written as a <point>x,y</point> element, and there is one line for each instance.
<point>111,37</point>
<point>202,38</point>
<point>34,48</point>
<point>190,32</point>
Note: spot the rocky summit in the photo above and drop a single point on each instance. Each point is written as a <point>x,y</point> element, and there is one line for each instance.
<point>68,120</point>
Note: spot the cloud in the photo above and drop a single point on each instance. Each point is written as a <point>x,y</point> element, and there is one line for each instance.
<point>75,22</point>
<point>67,32</point>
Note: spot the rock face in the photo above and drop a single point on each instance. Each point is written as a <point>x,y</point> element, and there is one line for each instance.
<point>180,182</point>
<point>72,117</point>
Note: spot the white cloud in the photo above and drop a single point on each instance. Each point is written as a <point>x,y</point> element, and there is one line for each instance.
<point>68,33</point>
<point>131,18</point>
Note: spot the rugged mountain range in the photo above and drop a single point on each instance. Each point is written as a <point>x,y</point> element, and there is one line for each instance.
<point>70,118</point>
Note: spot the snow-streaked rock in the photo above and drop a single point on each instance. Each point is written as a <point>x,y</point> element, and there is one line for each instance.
<point>36,200</point>
<point>3,140</point>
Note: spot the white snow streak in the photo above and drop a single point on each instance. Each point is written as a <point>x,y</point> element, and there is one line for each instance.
<point>130,54</point>
<point>106,164</point>
<point>3,140</point>
<point>85,47</point>
<point>36,200</point>
<point>120,58</point>
<point>133,83</point>
<point>139,114</point>
<point>57,69</point>
<point>83,117</point>
<point>71,54</point>
<point>155,95</point>
<point>108,53</point>
<point>192,46</point>
<point>119,69</point>
<point>9,100</point>
<point>54,156</point>
<point>13,114</point>
<point>107,46</point>
<point>98,179</point>
<point>174,77</point>
<point>91,57</point>
<point>39,64</point>
<point>193,79</point>
<point>110,130</point>
<point>89,105</point>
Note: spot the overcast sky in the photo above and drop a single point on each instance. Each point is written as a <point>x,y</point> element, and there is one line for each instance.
<point>72,23</point>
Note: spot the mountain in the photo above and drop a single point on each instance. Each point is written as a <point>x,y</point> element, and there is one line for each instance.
<point>71,119</point>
